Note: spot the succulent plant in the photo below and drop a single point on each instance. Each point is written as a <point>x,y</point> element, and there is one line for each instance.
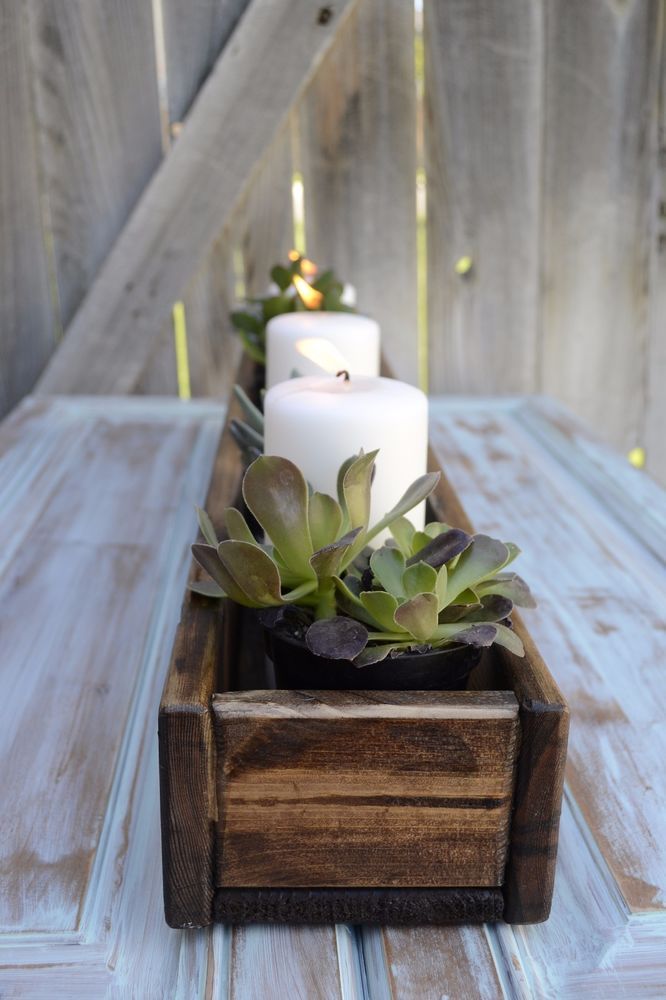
<point>428,590</point>
<point>250,322</point>
<point>311,538</point>
<point>249,433</point>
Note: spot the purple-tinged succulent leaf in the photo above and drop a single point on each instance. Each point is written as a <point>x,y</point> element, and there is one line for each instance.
<point>253,571</point>
<point>413,495</point>
<point>328,561</point>
<point>287,618</point>
<point>325,517</point>
<point>277,494</point>
<point>237,527</point>
<point>419,578</point>
<point>337,638</point>
<point>382,607</point>
<point>483,634</point>
<point>207,588</point>
<point>387,566</point>
<point>442,548</point>
<point>208,558</point>
<point>494,608</point>
<point>507,637</point>
<point>418,616</point>
<point>206,527</point>
<point>482,558</point>
<point>471,635</point>
<point>455,612</point>
<point>509,585</point>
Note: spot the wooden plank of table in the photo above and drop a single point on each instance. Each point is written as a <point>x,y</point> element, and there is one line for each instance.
<point>239,112</point>
<point>601,625</point>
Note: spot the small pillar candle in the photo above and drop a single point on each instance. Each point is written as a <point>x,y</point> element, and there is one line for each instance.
<point>319,421</point>
<point>355,337</point>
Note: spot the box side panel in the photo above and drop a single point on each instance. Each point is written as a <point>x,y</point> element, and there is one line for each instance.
<point>352,800</point>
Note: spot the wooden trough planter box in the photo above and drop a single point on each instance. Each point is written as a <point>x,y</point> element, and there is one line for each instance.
<point>362,807</point>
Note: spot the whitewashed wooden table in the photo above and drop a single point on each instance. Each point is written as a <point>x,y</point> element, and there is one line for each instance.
<point>96,499</point>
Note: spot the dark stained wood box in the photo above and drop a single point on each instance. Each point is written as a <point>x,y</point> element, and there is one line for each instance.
<point>362,807</point>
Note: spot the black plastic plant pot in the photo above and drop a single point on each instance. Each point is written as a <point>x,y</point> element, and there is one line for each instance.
<point>438,670</point>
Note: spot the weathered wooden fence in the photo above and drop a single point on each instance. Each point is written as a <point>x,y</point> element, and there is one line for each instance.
<point>533,132</point>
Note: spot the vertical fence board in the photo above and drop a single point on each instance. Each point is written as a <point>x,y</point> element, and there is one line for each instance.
<point>655,408</point>
<point>194,35</point>
<point>99,126</point>
<point>26,313</point>
<point>357,143</point>
<point>265,220</point>
<point>599,100</point>
<point>262,230</point>
<point>483,112</point>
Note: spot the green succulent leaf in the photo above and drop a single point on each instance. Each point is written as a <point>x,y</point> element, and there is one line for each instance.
<point>507,637</point>
<point>382,608</point>
<point>442,548</point>
<point>208,558</point>
<point>402,530</point>
<point>509,585</point>
<point>325,517</point>
<point>281,276</point>
<point>253,346</point>
<point>418,616</point>
<point>252,413</point>
<point>207,588</point>
<point>419,540</point>
<point>356,484</point>
<point>435,528</point>
<point>377,653</point>
<point>237,526</point>
<point>349,601</point>
<point>414,494</point>
<point>253,571</point>
<point>247,322</point>
<point>514,552</point>
<point>275,305</point>
<point>480,560</point>
<point>328,561</point>
<point>337,638</point>
<point>388,565</point>
<point>206,527</point>
<point>245,436</point>
<point>441,586</point>
<point>276,492</point>
<point>419,578</point>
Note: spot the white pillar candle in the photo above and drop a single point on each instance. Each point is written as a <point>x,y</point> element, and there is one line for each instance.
<point>355,337</point>
<point>319,421</point>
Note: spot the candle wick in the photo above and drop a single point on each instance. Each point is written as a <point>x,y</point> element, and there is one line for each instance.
<point>344,372</point>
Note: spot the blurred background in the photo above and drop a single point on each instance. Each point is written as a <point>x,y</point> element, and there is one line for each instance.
<point>490,174</point>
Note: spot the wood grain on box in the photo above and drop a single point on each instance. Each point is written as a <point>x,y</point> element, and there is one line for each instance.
<point>364,789</point>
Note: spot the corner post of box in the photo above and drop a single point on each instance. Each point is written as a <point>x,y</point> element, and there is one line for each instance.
<point>187,767</point>
<point>530,873</point>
